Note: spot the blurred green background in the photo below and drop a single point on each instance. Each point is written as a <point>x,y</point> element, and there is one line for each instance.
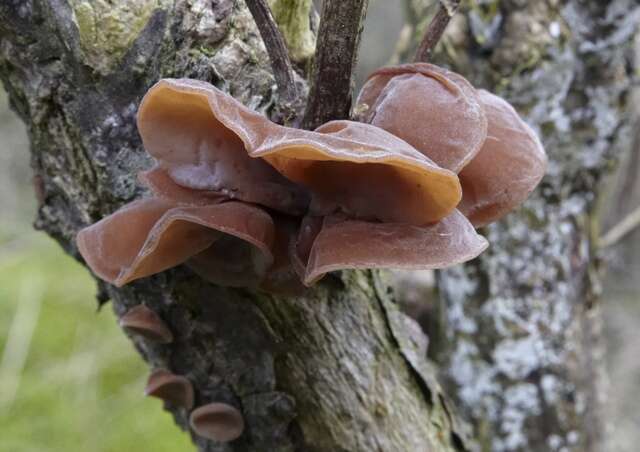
<point>71,381</point>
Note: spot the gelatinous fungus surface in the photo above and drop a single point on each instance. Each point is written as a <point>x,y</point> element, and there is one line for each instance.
<point>246,202</point>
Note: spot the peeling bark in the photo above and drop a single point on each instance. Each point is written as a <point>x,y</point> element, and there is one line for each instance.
<point>338,369</point>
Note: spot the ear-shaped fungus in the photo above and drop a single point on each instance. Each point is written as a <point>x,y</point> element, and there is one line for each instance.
<point>510,164</point>
<point>217,421</point>
<point>185,125</point>
<point>174,389</point>
<point>374,195</point>
<point>434,110</point>
<point>142,321</point>
<point>203,138</point>
<point>364,172</point>
<point>152,235</point>
<point>351,244</point>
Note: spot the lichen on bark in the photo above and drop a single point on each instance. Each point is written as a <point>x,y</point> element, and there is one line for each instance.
<point>521,345</point>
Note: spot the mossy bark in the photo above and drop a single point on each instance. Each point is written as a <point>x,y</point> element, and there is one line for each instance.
<point>294,18</point>
<point>337,369</point>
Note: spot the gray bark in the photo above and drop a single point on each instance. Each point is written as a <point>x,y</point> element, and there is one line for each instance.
<point>519,329</point>
<point>338,369</point>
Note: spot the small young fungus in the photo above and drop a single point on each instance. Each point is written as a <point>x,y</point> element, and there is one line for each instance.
<point>173,389</point>
<point>142,321</point>
<point>217,421</point>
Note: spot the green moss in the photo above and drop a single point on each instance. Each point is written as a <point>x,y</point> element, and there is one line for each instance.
<point>293,20</point>
<point>107,29</point>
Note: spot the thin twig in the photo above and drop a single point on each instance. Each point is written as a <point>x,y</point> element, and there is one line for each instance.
<point>446,10</point>
<point>628,224</point>
<point>277,50</point>
<point>336,55</point>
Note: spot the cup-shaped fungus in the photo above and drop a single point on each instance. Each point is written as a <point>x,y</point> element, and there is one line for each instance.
<point>352,244</point>
<point>217,422</point>
<point>364,172</point>
<point>173,389</point>
<point>142,321</point>
<point>500,160</point>
<point>191,128</point>
<point>153,234</point>
<point>508,167</point>
<point>436,111</point>
<point>245,202</point>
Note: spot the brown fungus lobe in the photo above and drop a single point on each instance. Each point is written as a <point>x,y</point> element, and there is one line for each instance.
<point>142,321</point>
<point>173,389</point>
<point>350,244</point>
<point>217,422</point>
<point>350,166</point>
<point>181,125</point>
<point>158,180</point>
<point>364,172</point>
<point>433,109</point>
<point>508,167</point>
<point>151,235</point>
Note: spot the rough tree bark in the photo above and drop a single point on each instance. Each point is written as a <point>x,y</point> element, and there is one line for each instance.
<point>518,336</point>
<point>339,369</point>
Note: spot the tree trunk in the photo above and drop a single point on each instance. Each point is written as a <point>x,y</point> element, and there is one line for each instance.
<point>338,369</point>
<point>519,329</point>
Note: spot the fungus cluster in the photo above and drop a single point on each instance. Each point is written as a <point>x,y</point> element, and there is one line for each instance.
<point>250,203</point>
<point>215,420</point>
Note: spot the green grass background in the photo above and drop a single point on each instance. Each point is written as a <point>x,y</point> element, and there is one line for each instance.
<point>70,380</point>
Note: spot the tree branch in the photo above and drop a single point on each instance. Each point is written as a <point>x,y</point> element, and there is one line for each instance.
<point>278,53</point>
<point>336,56</point>
<point>436,28</point>
<point>628,224</point>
